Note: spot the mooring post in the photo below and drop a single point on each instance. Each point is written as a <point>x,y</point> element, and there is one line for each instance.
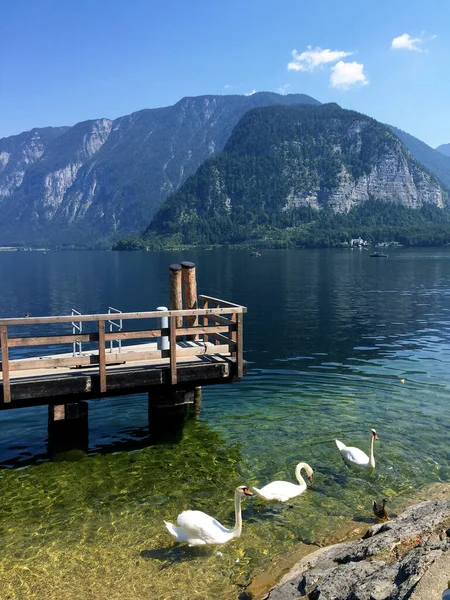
<point>176,299</point>
<point>190,294</point>
<point>68,426</point>
<point>162,343</point>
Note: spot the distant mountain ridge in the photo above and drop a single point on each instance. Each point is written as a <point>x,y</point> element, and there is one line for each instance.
<point>433,160</point>
<point>282,165</point>
<point>102,179</point>
<point>444,149</point>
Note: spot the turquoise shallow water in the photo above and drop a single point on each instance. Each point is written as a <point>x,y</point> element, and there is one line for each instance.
<point>329,337</point>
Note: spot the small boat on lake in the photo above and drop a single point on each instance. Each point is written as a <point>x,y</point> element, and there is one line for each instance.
<point>378,255</point>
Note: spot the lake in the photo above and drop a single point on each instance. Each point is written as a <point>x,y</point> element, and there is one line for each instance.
<point>336,343</point>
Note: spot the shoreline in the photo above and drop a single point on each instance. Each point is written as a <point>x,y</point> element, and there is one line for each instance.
<point>287,566</point>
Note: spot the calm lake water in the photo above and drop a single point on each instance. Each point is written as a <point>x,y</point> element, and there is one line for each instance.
<point>329,337</point>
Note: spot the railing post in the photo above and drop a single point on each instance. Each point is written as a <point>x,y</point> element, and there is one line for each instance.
<point>5,363</point>
<point>173,349</point>
<point>102,356</point>
<point>239,346</point>
<point>216,341</point>
<point>233,334</point>
<point>205,321</point>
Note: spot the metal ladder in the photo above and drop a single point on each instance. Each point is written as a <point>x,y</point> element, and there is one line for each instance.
<point>117,324</point>
<point>77,327</point>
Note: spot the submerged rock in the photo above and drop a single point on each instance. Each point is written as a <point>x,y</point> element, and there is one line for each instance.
<point>386,564</point>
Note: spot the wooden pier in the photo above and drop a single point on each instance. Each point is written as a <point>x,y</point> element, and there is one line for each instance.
<point>166,353</point>
<point>214,355</point>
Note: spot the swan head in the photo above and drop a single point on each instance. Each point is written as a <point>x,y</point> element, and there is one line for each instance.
<point>309,472</point>
<point>243,490</point>
<point>374,434</point>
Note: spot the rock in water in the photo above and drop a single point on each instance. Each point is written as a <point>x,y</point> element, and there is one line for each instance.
<point>387,563</point>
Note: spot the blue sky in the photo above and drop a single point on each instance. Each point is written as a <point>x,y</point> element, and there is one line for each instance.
<point>64,61</point>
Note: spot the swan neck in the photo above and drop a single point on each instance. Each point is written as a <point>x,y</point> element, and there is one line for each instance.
<point>298,475</point>
<point>371,456</point>
<point>237,530</point>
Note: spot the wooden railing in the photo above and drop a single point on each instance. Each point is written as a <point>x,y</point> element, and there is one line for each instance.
<point>224,335</point>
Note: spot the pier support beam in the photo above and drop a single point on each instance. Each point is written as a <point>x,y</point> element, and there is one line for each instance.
<point>167,413</point>
<point>197,402</point>
<point>68,426</point>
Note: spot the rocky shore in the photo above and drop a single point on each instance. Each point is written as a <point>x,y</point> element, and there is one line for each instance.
<point>407,557</point>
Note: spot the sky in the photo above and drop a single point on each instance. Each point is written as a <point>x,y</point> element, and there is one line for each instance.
<point>65,61</point>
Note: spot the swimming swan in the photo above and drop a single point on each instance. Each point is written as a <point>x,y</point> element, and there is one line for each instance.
<point>284,490</point>
<point>197,528</point>
<point>356,456</point>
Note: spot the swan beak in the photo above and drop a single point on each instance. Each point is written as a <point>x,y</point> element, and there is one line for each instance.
<point>375,437</point>
<point>247,492</point>
<point>310,477</point>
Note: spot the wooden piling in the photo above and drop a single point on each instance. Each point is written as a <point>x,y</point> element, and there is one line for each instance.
<point>67,426</point>
<point>176,300</point>
<point>190,294</point>
<point>197,402</point>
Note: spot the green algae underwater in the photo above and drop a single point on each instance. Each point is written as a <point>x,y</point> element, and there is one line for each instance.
<point>91,527</point>
<point>86,527</point>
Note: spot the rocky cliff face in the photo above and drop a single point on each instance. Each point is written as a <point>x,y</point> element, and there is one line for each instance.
<point>102,179</point>
<point>282,159</point>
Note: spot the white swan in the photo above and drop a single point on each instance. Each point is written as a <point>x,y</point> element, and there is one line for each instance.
<point>197,528</point>
<point>284,490</point>
<point>356,456</point>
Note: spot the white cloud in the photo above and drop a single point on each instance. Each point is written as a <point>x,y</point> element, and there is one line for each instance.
<point>406,42</point>
<point>283,89</point>
<point>250,93</point>
<point>313,58</point>
<point>227,86</point>
<point>345,74</point>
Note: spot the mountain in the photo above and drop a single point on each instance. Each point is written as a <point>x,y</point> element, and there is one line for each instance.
<point>444,149</point>
<point>433,160</point>
<point>101,179</point>
<point>283,166</point>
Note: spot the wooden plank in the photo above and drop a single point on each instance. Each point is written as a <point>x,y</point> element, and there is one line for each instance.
<point>173,349</point>
<point>31,364</point>
<point>220,319</point>
<point>156,333</point>
<point>136,335</point>
<point>102,356</point>
<point>223,340</point>
<point>5,363</point>
<point>225,309</point>
<point>223,303</point>
<point>46,340</point>
<point>208,330</point>
<point>239,346</point>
